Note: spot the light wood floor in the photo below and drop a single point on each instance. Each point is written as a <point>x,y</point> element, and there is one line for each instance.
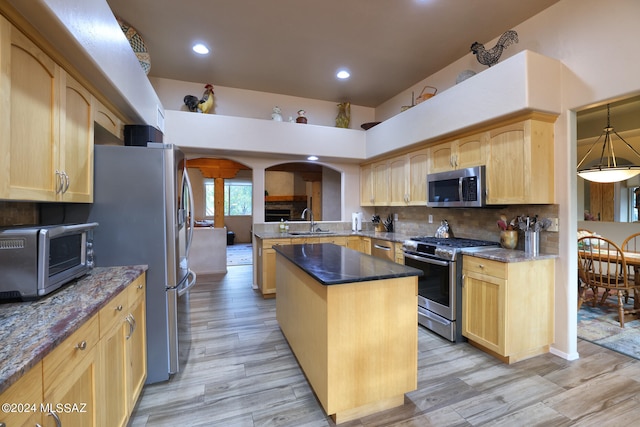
<point>241,373</point>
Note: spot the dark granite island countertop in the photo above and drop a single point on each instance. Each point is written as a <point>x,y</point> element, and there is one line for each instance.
<point>331,264</point>
<point>31,330</point>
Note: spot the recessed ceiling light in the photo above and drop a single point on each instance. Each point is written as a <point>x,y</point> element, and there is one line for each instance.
<point>200,48</point>
<point>343,74</point>
<point>312,158</point>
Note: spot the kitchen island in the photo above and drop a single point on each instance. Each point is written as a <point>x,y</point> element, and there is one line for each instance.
<point>351,321</point>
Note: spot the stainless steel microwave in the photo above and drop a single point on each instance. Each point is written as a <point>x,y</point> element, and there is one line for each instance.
<point>457,188</point>
<point>37,260</point>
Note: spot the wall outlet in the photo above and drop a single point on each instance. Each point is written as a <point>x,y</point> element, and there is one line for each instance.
<point>430,219</point>
<point>554,225</point>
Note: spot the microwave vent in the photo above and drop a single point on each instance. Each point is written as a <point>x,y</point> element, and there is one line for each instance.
<point>12,243</point>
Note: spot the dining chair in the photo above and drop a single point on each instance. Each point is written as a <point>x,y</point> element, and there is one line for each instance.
<point>602,265</point>
<point>631,244</point>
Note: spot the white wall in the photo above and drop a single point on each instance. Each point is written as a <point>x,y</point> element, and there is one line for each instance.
<point>257,105</point>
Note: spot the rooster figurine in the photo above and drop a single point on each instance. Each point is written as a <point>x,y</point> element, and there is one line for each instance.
<point>203,105</point>
<point>490,57</point>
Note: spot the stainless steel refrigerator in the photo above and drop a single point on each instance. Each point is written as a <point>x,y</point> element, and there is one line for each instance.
<point>142,201</point>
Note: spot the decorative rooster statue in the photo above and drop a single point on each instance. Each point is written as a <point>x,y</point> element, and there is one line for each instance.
<point>490,57</point>
<point>203,105</point>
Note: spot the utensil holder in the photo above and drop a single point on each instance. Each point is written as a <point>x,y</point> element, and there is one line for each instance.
<point>532,242</point>
<point>509,239</point>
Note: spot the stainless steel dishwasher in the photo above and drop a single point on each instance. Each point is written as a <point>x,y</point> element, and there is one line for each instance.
<point>382,249</point>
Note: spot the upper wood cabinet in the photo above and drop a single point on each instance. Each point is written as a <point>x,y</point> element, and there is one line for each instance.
<point>46,125</point>
<point>76,142</point>
<point>520,163</point>
<point>29,118</point>
<point>374,184</point>
<point>408,178</point>
<point>107,119</point>
<point>458,154</point>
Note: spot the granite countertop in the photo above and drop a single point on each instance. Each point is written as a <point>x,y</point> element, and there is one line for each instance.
<point>30,330</point>
<point>331,264</point>
<point>505,255</point>
<point>392,237</point>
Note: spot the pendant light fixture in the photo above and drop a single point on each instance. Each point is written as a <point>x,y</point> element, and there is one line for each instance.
<point>607,169</point>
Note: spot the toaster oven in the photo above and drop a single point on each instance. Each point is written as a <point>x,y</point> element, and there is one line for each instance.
<point>37,260</point>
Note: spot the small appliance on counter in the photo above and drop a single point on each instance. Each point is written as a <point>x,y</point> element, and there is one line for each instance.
<point>37,260</point>
<point>356,221</point>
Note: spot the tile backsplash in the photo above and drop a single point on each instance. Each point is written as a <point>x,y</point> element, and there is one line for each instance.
<point>472,223</point>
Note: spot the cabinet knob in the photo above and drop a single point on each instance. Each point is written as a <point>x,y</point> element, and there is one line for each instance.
<point>140,286</point>
<point>82,345</point>
<point>480,265</point>
<point>119,308</point>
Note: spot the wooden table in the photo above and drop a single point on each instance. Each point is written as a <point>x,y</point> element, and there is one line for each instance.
<point>632,259</point>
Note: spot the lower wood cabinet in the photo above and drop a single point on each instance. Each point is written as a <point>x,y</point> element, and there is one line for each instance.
<point>27,390</point>
<point>95,376</point>
<point>266,258</point>
<point>123,350</point>
<point>70,377</point>
<point>507,308</point>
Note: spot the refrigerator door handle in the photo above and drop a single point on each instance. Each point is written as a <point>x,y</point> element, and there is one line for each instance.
<point>185,177</point>
<point>188,283</point>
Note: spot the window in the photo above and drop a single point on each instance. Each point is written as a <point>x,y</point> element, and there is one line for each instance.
<point>237,197</point>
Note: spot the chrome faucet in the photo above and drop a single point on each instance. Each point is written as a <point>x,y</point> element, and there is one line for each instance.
<point>312,224</point>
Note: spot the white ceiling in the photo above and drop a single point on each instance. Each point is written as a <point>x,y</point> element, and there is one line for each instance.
<point>295,47</point>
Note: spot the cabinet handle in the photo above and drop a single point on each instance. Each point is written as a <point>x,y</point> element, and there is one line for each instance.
<point>82,345</point>
<point>480,265</point>
<point>58,182</point>
<point>55,417</point>
<point>140,286</point>
<point>66,182</point>
<point>132,325</point>
<point>119,308</point>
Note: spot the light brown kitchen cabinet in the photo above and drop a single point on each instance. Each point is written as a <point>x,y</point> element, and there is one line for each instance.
<point>107,119</point>
<point>267,265</point>
<point>46,132</point>
<point>76,142</point>
<point>123,352</point>
<point>374,184</point>
<point>70,375</point>
<point>399,253</point>
<point>113,332</point>
<point>397,183</point>
<point>366,185</point>
<point>26,391</point>
<point>137,341</point>
<point>459,153</point>
<point>30,122</point>
<point>507,308</point>
<point>520,163</point>
<point>380,172</point>
<point>408,178</point>
<point>95,376</point>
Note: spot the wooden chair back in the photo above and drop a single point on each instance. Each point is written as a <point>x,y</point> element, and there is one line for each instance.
<point>601,263</point>
<point>631,243</point>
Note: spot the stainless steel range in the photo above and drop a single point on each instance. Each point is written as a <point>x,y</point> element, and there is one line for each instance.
<point>440,287</point>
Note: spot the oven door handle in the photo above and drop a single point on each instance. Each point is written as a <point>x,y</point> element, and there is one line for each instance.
<point>427,260</point>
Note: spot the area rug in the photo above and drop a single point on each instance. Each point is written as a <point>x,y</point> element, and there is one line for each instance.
<point>600,326</point>
<point>240,254</point>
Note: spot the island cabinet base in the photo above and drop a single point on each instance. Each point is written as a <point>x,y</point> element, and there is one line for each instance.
<point>357,343</point>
